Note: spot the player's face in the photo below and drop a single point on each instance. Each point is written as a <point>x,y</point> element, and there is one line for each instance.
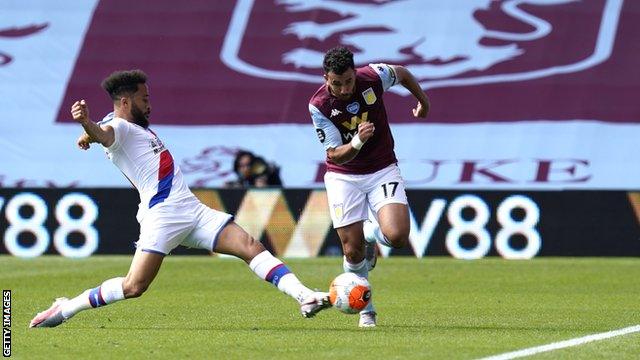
<point>140,106</point>
<point>343,85</point>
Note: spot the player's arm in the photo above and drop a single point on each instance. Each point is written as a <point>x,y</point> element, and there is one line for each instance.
<point>406,79</point>
<point>342,154</point>
<point>345,153</point>
<point>84,141</point>
<point>330,137</point>
<point>101,134</point>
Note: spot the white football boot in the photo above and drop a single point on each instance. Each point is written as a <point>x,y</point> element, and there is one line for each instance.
<point>315,303</point>
<point>51,317</point>
<point>367,319</point>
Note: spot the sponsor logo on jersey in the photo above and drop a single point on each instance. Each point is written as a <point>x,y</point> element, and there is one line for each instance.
<point>354,107</point>
<point>156,145</point>
<point>355,121</point>
<point>335,112</point>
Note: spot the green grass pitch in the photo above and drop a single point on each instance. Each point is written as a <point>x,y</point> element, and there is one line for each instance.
<point>438,308</point>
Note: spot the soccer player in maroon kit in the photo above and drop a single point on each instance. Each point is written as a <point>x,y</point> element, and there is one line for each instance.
<point>350,118</point>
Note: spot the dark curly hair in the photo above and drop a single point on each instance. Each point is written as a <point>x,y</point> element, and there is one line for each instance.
<point>338,60</point>
<point>123,83</point>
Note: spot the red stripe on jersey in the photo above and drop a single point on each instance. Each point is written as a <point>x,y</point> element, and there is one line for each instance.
<point>166,164</point>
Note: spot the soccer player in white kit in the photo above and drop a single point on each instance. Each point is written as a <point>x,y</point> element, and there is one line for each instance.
<point>350,118</point>
<point>169,214</point>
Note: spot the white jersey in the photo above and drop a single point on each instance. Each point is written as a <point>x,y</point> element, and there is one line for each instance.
<point>146,163</point>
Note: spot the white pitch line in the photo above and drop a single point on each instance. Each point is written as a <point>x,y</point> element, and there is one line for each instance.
<point>564,344</point>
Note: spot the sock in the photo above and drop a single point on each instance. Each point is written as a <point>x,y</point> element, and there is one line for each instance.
<point>373,232</point>
<point>269,268</point>
<point>109,292</point>
<point>361,269</point>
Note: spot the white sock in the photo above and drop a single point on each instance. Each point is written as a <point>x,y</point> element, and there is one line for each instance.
<point>270,269</point>
<point>109,292</point>
<point>361,269</point>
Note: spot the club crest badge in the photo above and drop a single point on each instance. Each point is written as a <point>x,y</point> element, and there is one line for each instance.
<point>338,211</point>
<point>369,96</point>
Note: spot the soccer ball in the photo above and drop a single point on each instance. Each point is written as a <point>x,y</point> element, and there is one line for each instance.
<point>349,293</point>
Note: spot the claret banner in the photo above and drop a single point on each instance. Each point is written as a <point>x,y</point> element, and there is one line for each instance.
<point>296,223</point>
<point>525,94</point>
<point>496,60</point>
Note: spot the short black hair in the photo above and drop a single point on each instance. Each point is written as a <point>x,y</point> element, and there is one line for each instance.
<point>123,82</point>
<point>338,60</point>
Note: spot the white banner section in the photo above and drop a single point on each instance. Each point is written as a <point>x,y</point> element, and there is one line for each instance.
<point>523,155</point>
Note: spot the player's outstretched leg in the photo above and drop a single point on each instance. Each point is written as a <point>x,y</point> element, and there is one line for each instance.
<point>144,268</point>
<point>233,240</point>
<point>63,309</point>
<point>272,270</point>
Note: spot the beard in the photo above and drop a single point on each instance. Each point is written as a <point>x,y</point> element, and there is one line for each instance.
<point>139,118</point>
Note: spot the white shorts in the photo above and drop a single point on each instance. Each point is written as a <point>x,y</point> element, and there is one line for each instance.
<point>186,222</point>
<point>350,196</point>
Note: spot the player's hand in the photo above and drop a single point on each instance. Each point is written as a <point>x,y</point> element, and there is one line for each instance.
<point>80,111</point>
<point>420,111</point>
<point>84,141</point>
<point>365,131</point>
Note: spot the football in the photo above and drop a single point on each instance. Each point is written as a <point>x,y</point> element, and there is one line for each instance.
<point>349,293</point>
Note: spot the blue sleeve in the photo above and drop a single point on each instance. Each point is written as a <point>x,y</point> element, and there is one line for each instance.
<point>328,133</point>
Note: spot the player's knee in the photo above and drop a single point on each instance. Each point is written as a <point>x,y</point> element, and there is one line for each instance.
<point>134,289</point>
<point>397,238</point>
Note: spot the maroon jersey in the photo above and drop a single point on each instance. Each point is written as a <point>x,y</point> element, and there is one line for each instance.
<point>336,121</point>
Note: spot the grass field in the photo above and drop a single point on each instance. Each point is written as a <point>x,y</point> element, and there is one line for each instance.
<point>440,308</point>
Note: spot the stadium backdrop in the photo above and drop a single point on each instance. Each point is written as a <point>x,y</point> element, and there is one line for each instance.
<point>296,222</point>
